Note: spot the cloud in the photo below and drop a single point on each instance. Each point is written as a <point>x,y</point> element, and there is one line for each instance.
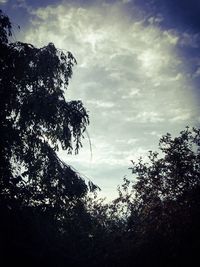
<point>3,1</point>
<point>146,117</point>
<point>129,76</point>
<point>134,92</point>
<point>100,104</point>
<point>180,115</point>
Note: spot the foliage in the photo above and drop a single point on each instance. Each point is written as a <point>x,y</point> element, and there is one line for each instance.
<point>164,218</point>
<point>171,175</point>
<point>40,196</point>
<point>35,119</point>
<point>155,220</point>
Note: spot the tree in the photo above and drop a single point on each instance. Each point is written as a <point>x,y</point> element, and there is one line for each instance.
<point>41,198</point>
<point>35,121</point>
<point>173,174</point>
<point>155,220</point>
<point>165,217</point>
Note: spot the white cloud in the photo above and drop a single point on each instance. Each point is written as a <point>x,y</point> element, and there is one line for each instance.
<point>152,117</point>
<point>101,104</point>
<point>128,76</point>
<point>132,141</point>
<point>179,115</point>
<point>156,134</point>
<point>155,20</point>
<point>146,117</point>
<point>134,92</point>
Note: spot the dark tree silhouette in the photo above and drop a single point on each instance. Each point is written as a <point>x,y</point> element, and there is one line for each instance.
<point>35,119</point>
<point>155,220</point>
<point>164,215</point>
<point>175,172</point>
<point>40,196</point>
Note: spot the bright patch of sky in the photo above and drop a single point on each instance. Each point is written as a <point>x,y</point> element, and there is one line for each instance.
<point>130,78</point>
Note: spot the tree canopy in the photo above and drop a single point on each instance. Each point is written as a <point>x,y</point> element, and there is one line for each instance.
<point>35,120</point>
<point>162,203</point>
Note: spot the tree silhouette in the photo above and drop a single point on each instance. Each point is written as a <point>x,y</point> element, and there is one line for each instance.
<point>155,220</point>
<point>41,205</point>
<point>35,121</point>
<point>175,172</point>
<point>164,215</point>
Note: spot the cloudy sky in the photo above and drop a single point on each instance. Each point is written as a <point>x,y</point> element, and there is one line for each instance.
<point>138,73</point>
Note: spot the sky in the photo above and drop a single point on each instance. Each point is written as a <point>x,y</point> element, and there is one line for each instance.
<point>138,73</point>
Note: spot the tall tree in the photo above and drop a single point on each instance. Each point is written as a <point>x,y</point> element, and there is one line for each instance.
<point>36,120</point>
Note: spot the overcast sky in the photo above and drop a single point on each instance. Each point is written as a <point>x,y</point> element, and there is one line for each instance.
<point>138,73</point>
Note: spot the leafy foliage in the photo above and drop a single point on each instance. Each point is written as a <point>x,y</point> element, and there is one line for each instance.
<point>155,220</point>
<point>176,172</point>
<point>163,217</point>
<point>35,119</point>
